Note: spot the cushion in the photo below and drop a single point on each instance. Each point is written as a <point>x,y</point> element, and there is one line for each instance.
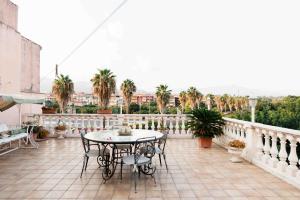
<point>18,131</point>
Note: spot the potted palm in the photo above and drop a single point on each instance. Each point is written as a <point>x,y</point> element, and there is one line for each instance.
<point>104,85</point>
<point>205,124</point>
<point>236,148</point>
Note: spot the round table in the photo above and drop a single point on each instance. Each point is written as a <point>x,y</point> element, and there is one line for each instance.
<point>113,137</point>
<point>110,139</point>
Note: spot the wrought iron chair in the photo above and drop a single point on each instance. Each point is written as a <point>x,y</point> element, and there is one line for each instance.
<point>141,159</point>
<point>160,149</point>
<point>99,153</point>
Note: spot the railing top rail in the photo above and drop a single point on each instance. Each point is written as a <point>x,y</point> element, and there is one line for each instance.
<point>265,127</point>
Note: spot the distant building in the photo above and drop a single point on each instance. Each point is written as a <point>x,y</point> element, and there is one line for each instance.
<point>82,99</point>
<point>19,63</point>
<point>142,98</point>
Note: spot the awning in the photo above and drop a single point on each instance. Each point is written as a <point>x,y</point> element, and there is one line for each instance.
<point>7,102</point>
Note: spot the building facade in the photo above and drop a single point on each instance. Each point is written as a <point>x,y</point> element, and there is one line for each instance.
<point>19,61</point>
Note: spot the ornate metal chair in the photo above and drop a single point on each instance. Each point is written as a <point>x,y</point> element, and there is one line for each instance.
<point>141,159</point>
<point>160,149</point>
<point>99,153</point>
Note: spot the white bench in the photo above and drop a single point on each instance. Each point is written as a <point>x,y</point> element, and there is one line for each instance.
<point>23,136</point>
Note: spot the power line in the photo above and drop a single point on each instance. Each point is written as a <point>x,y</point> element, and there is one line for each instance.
<point>88,37</point>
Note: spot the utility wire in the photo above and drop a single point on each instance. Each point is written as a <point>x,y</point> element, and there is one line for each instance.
<point>88,37</point>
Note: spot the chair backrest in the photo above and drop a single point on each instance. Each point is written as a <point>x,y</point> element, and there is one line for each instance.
<point>162,142</point>
<point>144,146</point>
<point>85,143</point>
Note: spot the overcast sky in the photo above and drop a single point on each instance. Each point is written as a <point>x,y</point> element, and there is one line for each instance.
<point>253,44</point>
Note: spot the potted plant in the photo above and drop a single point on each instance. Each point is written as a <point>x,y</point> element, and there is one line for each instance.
<point>60,130</point>
<point>49,107</point>
<point>205,124</point>
<point>236,148</point>
<point>42,134</point>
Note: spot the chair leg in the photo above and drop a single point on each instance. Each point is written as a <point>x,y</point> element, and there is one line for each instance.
<point>159,155</point>
<point>153,178</point>
<point>87,160</point>
<point>135,179</point>
<point>166,162</point>
<point>83,165</point>
<point>121,168</point>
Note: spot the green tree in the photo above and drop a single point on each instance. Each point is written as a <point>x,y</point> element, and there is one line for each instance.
<point>193,95</point>
<point>62,90</point>
<point>183,100</point>
<point>128,88</point>
<point>163,96</point>
<point>104,85</point>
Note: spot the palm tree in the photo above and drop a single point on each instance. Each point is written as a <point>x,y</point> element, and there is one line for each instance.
<point>183,100</point>
<point>62,89</point>
<point>104,85</point>
<point>230,103</point>
<point>225,99</point>
<point>237,103</point>
<point>128,88</point>
<point>199,99</point>
<point>217,100</point>
<point>193,96</point>
<point>163,96</point>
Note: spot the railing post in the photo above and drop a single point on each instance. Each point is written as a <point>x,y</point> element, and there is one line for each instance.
<point>259,153</point>
<point>250,151</point>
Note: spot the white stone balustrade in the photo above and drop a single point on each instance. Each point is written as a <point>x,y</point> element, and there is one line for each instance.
<point>174,125</point>
<point>272,148</point>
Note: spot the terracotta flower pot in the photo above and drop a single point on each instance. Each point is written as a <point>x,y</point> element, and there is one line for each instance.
<point>205,142</point>
<point>104,111</point>
<point>48,110</point>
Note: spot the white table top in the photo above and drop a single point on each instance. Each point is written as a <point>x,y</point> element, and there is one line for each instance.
<point>113,137</point>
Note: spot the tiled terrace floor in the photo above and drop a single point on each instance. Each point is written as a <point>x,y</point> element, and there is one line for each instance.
<point>53,170</point>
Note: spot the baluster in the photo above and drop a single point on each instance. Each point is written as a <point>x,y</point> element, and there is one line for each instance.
<point>237,132</point>
<point>106,125</point>
<point>140,118</point>
<point>165,125</point>
<point>274,150</point>
<point>259,153</point>
<point>146,123</point>
<point>82,124</point>
<point>177,125</point>
<point>100,123</point>
<point>292,168</point>
<point>69,125</point>
<point>88,125</point>
<point>183,131</point>
<point>171,125</point>
<point>266,156</point>
<point>76,131</point>
<point>158,123</point>
<point>152,124</point>
<point>282,164</point>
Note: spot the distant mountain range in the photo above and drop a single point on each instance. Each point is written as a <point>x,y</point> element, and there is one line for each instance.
<point>86,87</point>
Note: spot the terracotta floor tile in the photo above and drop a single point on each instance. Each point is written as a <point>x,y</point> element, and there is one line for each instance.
<point>53,172</point>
